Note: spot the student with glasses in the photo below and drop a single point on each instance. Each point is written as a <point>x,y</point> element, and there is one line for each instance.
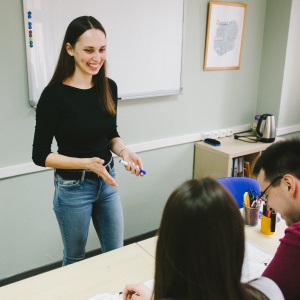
<point>278,173</point>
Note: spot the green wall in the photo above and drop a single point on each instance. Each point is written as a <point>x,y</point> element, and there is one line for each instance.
<point>210,100</point>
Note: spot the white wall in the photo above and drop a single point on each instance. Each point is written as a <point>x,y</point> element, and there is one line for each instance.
<point>289,112</point>
<point>279,90</point>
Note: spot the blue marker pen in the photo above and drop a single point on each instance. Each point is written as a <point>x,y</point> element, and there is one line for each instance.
<point>125,163</point>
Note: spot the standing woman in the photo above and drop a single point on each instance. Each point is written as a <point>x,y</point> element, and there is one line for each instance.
<point>79,109</point>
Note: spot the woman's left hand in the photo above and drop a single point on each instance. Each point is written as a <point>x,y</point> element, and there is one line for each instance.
<point>134,162</point>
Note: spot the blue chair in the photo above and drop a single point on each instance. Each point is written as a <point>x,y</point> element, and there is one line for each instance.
<point>237,186</point>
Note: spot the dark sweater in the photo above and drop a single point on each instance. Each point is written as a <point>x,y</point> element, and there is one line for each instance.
<point>284,268</point>
<point>77,121</point>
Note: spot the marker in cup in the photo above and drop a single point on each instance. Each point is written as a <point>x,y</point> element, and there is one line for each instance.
<point>125,163</point>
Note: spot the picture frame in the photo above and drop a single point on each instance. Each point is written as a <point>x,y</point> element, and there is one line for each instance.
<point>224,36</point>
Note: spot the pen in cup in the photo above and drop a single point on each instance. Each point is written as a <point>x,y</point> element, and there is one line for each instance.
<point>273,220</point>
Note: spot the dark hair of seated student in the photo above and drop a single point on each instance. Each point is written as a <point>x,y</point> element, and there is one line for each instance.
<point>201,245</point>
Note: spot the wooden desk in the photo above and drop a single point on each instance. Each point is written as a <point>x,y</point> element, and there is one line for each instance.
<point>149,245</point>
<point>105,273</point>
<point>268,243</point>
<point>110,272</point>
<point>254,260</point>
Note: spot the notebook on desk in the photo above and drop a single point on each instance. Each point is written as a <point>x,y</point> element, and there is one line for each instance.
<point>255,262</point>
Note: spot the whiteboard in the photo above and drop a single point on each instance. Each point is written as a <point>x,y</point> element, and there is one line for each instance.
<point>144,42</point>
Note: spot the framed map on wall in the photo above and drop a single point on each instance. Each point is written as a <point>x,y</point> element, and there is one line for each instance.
<point>224,36</point>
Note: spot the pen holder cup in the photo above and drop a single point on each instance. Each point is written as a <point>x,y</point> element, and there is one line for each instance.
<point>266,225</point>
<point>251,215</point>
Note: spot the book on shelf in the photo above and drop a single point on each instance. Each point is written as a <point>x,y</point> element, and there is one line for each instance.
<point>247,169</point>
<point>240,167</point>
<point>234,167</point>
<point>240,171</point>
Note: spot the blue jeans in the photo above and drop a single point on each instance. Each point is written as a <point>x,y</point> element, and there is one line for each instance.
<point>75,203</point>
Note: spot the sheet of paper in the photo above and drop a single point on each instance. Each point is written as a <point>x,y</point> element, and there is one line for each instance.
<point>255,262</point>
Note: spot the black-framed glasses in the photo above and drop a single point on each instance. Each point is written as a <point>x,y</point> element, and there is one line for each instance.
<point>262,195</point>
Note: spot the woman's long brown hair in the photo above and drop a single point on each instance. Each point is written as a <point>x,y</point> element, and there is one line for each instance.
<point>200,247</point>
<point>66,65</point>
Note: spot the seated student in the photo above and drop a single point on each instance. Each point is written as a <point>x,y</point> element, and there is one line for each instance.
<point>200,249</point>
<point>278,173</point>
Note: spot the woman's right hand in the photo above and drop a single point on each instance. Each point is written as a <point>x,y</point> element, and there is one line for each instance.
<point>95,164</point>
<point>137,292</point>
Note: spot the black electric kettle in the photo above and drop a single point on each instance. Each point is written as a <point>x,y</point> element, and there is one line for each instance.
<point>266,130</point>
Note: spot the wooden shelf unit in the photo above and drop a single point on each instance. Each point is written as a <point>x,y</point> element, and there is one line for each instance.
<point>216,161</point>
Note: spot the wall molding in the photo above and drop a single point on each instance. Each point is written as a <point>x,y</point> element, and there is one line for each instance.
<point>287,130</point>
<point>22,169</point>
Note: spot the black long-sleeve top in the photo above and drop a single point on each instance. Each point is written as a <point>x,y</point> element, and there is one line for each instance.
<point>77,120</point>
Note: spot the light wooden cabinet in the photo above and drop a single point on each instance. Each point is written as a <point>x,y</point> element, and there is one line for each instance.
<point>216,161</point>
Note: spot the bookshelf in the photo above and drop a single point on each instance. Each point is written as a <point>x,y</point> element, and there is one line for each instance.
<point>217,161</point>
